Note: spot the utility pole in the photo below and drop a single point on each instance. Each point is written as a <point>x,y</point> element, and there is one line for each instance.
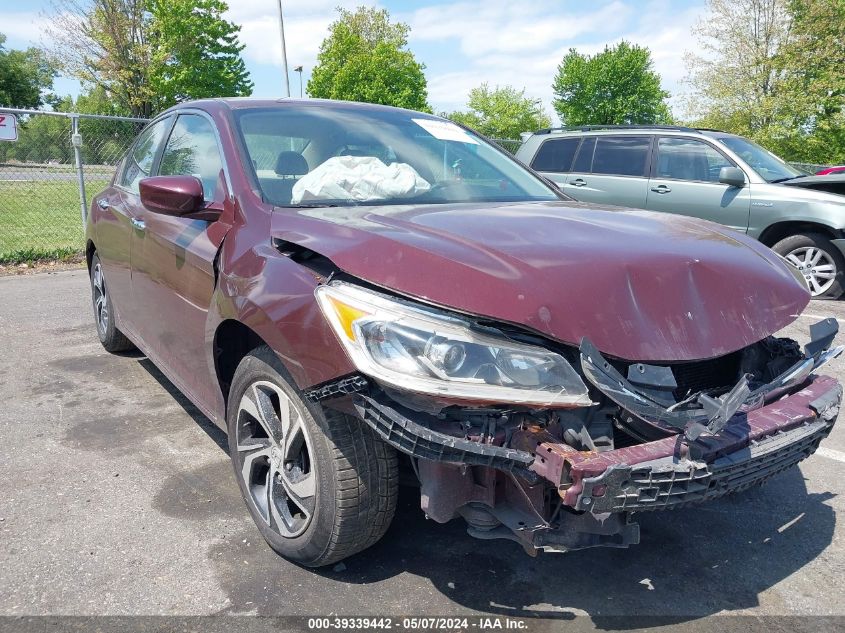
<point>284,52</point>
<point>298,69</point>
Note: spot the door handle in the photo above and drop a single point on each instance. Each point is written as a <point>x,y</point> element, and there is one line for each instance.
<point>138,225</point>
<point>578,182</point>
<point>103,204</point>
<point>661,189</point>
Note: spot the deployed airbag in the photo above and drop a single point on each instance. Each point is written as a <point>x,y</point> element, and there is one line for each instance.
<point>359,178</point>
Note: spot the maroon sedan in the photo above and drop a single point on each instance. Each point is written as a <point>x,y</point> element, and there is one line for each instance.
<point>352,290</point>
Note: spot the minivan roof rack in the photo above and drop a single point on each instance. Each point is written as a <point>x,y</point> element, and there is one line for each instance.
<point>589,128</point>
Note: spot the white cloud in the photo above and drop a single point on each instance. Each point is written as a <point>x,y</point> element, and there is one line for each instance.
<point>306,24</point>
<point>500,26</point>
<point>463,44</point>
<point>22,29</point>
<point>521,44</point>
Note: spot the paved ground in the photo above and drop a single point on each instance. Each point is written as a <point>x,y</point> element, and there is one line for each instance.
<point>11,173</point>
<point>118,498</point>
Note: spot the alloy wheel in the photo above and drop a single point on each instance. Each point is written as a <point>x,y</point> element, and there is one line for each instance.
<point>816,266</point>
<point>275,457</point>
<point>101,299</point>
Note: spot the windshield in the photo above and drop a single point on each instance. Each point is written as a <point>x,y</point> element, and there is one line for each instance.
<point>766,164</point>
<point>340,154</point>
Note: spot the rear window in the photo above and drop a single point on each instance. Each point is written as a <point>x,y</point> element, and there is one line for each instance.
<point>621,155</point>
<point>556,155</point>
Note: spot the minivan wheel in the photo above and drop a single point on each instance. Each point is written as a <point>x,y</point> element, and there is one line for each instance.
<point>818,261</point>
<point>319,484</point>
<point>112,339</point>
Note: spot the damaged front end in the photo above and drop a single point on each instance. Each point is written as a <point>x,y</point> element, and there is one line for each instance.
<point>557,449</point>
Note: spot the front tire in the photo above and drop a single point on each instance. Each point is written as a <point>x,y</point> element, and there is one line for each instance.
<point>817,260</point>
<point>319,484</point>
<point>111,338</point>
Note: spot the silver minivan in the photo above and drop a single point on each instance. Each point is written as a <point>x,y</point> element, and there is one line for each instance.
<point>705,174</point>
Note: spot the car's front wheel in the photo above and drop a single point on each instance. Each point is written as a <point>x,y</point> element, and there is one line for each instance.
<point>319,484</point>
<point>111,337</point>
<point>817,260</point>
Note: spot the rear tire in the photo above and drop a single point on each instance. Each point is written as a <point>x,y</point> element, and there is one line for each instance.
<point>111,338</point>
<point>818,261</point>
<point>319,484</point>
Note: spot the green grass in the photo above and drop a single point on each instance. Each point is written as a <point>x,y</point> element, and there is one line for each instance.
<point>41,220</point>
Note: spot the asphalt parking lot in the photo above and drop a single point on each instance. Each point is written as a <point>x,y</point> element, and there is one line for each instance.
<point>119,499</point>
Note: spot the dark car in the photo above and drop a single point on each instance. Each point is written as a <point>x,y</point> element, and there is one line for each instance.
<point>352,290</point>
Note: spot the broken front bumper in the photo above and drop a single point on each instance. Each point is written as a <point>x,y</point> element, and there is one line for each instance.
<point>667,473</point>
<point>670,473</point>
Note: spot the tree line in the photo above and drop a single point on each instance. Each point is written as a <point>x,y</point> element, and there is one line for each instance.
<point>767,69</point>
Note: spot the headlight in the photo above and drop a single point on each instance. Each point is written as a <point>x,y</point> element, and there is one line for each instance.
<point>423,351</point>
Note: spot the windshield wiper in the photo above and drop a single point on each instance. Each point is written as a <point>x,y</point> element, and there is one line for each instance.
<point>779,180</point>
<point>317,205</point>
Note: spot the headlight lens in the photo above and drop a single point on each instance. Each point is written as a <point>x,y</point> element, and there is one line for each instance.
<point>419,350</point>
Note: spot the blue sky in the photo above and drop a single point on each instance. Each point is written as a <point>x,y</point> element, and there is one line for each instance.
<point>461,43</point>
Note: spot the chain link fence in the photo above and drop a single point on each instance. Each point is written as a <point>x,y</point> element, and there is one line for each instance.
<point>810,168</point>
<point>47,177</point>
<point>508,144</point>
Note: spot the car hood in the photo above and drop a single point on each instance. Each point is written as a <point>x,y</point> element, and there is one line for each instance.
<point>641,285</point>
<point>833,183</point>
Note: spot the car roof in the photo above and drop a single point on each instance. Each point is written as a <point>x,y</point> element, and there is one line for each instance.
<point>243,103</point>
<point>628,129</point>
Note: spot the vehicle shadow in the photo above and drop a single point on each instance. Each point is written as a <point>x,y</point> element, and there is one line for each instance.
<point>217,435</point>
<point>691,563</point>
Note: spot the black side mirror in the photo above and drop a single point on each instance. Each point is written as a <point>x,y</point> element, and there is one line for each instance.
<point>732,176</point>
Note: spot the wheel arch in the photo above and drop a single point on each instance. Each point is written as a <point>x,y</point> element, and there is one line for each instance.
<point>233,340</point>
<point>90,249</point>
<point>780,230</point>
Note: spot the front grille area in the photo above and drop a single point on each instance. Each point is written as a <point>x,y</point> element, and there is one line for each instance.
<point>639,489</point>
<point>719,374</point>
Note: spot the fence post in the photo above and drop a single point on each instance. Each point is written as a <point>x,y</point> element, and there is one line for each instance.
<point>76,141</point>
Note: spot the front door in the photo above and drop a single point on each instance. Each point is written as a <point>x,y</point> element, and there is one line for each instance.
<point>117,214</point>
<point>173,261</point>
<point>686,181</point>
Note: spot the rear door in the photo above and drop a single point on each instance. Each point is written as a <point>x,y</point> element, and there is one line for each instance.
<point>173,260</point>
<point>117,213</point>
<point>611,169</point>
<point>685,180</point>
<point>554,158</point>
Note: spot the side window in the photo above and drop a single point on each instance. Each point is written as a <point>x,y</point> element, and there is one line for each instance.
<point>139,162</point>
<point>621,155</point>
<point>689,159</point>
<point>584,160</point>
<point>556,155</point>
<point>192,150</point>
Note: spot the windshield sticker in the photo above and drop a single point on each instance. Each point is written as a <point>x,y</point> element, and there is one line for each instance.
<point>445,131</point>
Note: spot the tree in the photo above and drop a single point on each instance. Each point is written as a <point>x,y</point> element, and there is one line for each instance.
<point>195,52</point>
<point>616,86</point>
<point>365,58</point>
<point>738,81</point>
<point>149,54</point>
<point>812,61</point>
<point>24,77</point>
<point>502,112</point>
<point>105,43</point>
